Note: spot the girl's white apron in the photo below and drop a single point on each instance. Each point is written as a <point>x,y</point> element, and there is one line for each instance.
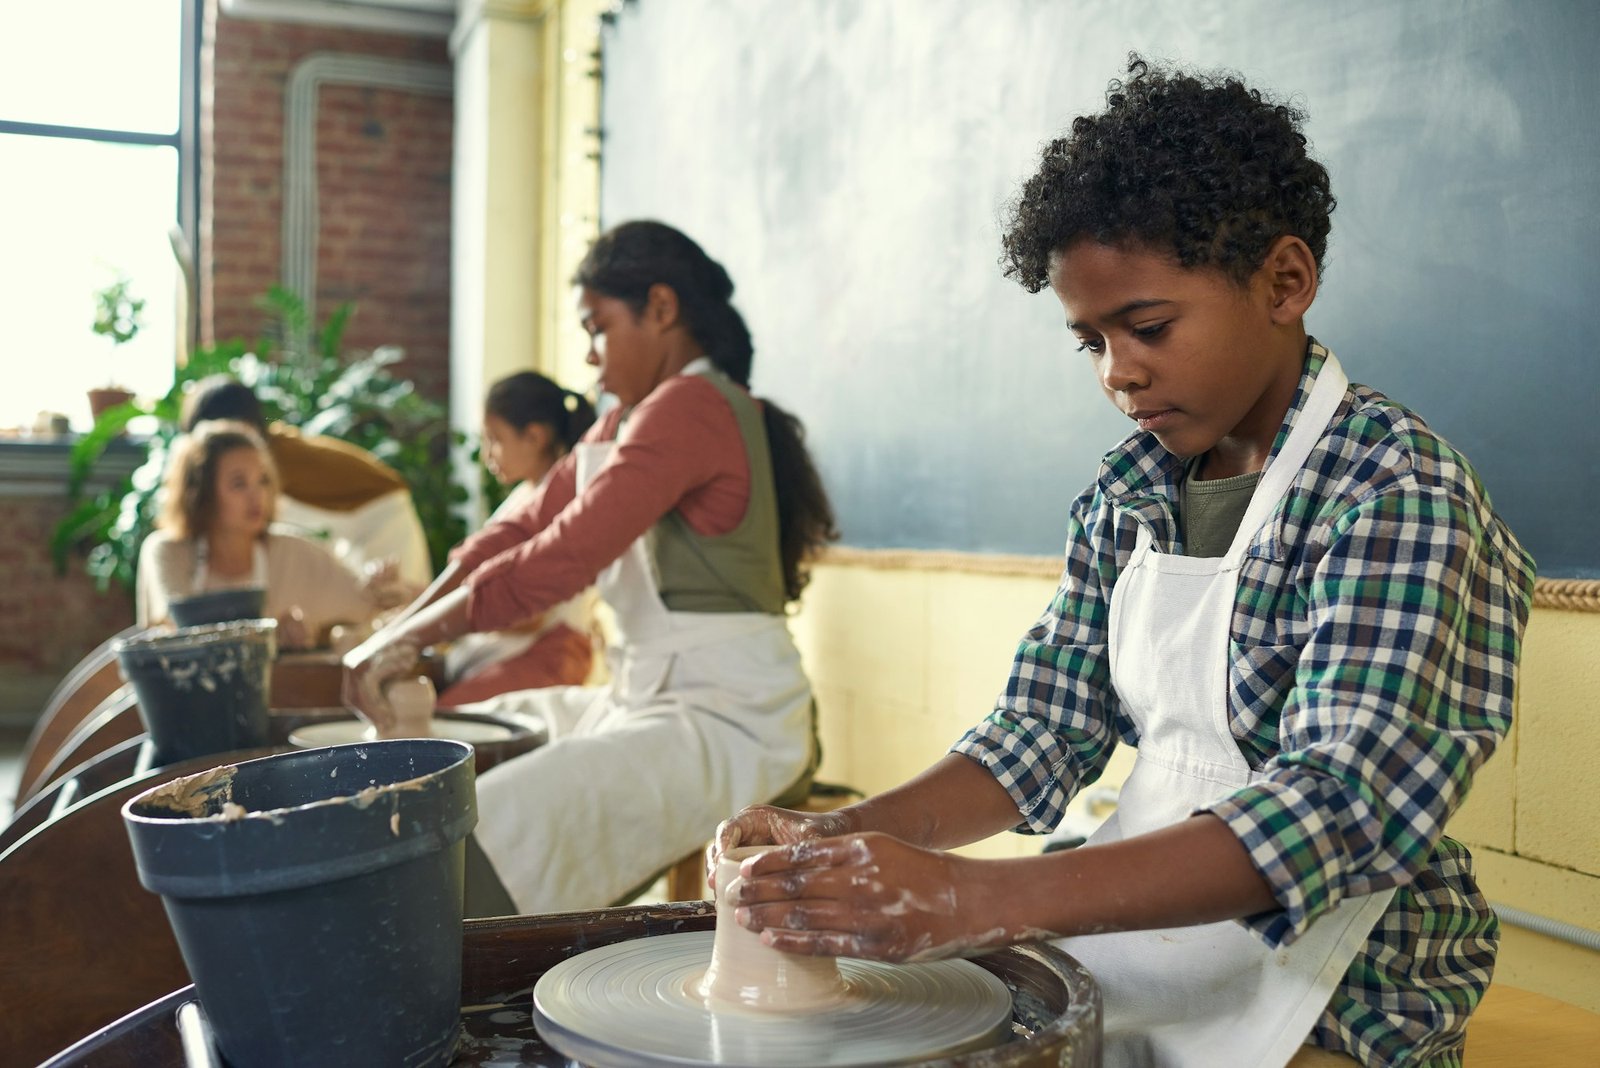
<point>202,570</point>
<point>1213,996</point>
<point>706,712</point>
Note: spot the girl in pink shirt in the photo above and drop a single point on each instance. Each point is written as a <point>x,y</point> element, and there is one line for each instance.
<point>692,507</point>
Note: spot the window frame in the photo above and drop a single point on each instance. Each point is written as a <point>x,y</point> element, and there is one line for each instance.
<point>185,140</point>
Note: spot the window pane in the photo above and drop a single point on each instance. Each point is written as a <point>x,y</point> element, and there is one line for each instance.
<point>107,64</point>
<point>75,214</point>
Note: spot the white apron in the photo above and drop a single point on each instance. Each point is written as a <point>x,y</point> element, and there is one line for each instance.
<point>1212,996</point>
<point>707,712</point>
<point>202,570</point>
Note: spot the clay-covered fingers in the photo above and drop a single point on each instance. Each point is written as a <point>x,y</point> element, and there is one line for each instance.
<point>767,825</point>
<point>368,668</point>
<point>862,895</point>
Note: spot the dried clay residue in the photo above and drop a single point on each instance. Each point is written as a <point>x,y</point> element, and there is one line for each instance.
<point>209,793</point>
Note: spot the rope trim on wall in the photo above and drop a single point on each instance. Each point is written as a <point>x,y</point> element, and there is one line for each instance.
<point>1570,595</point>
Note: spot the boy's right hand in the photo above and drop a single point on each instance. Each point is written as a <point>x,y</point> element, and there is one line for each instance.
<point>766,825</point>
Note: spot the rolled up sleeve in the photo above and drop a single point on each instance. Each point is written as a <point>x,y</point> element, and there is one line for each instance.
<point>1052,731</point>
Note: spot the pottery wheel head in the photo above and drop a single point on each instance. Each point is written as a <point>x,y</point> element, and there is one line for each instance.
<point>638,1002</point>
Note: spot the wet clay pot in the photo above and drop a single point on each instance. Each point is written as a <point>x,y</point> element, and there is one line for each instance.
<point>202,690</point>
<point>217,606</point>
<point>316,897</point>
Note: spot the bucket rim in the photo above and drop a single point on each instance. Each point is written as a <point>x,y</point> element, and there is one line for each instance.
<point>224,774</point>
<point>164,639</point>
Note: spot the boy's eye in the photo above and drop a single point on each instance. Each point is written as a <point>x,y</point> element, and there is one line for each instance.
<point>1092,345</point>
<point>1149,330</point>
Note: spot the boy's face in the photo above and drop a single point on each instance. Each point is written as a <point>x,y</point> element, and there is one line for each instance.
<point>1202,362</point>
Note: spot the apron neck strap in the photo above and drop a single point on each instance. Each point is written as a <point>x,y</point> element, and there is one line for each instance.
<point>202,569</point>
<point>1280,472</point>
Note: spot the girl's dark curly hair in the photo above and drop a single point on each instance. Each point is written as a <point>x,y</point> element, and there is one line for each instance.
<point>1197,164</point>
<point>624,262</point>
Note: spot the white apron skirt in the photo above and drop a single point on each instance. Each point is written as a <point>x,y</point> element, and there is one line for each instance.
<point>706,713</point>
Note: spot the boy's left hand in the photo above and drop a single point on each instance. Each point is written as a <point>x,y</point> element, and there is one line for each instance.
<point>866,895</point>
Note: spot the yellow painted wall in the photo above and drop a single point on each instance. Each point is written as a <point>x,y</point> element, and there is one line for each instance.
<point>907,657</point>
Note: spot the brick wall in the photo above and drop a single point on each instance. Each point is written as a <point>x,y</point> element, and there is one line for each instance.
<point>383,185</point>
<point>384,193</point>
<point>47,624</point>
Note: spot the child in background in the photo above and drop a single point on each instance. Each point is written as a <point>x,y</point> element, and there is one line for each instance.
<point>220,497</point>
<point>327,488</point>
<point>1289,593</point>
<point>529,423</point>
<point>694,507</point>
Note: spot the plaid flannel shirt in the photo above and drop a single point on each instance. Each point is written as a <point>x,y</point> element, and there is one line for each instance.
<point>1373,648</point>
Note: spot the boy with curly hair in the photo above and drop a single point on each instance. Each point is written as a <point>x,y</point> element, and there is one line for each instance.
<point>1283,588</point>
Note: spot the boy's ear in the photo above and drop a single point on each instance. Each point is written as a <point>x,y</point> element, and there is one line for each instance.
<point>1290,273</point>
<point>661,306</point>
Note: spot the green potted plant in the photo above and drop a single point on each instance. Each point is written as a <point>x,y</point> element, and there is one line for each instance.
<point>305,378</point>
<point>118,316</point>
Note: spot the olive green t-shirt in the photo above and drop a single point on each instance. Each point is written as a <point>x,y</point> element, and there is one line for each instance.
<point>1209,513</point>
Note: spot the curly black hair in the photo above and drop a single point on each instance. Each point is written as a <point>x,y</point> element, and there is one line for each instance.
<point>1195,163</point>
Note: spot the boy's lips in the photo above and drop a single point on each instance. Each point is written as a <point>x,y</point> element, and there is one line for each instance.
<point>1153,418</point>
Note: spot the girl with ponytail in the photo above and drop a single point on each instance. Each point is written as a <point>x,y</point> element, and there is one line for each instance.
<point>529,423</point>
<point>694,508</point>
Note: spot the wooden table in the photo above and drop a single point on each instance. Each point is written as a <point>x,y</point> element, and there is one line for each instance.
<point>1520,1029</point>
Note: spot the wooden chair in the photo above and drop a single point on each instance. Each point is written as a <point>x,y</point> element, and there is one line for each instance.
<point>119,762</point>
<point>74,699</point>
<point>84,942</point>
<point>686,879</point>
<point>115,721</point>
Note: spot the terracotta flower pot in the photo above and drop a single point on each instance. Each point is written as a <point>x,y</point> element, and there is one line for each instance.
<point>107,397</point>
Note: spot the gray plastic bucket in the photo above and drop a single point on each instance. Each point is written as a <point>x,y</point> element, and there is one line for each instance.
<point>316,897</point>
<point>202,690</point>
<point>217,606</point>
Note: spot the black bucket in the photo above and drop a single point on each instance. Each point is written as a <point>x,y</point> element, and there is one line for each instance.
<point>316,897</point>
<point>217,606</point>
<point>202,690</point>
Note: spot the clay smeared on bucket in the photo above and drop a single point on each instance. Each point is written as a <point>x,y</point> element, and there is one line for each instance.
<point>209,795</point>
<point>206,658</point>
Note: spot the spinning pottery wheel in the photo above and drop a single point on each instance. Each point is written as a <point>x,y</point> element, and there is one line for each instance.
<point>727,999</point>
<point>639,1003</point>
<point>1054,1021</point>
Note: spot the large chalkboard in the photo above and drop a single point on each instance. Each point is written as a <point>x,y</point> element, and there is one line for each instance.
<point>848,161</point>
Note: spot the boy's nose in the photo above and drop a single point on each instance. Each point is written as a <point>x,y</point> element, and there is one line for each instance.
<point>1119,373</point>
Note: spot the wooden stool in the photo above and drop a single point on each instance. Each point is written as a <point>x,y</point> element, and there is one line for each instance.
<point>686,880</point>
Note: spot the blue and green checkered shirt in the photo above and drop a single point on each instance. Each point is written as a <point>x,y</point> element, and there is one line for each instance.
<point>1373,650</point>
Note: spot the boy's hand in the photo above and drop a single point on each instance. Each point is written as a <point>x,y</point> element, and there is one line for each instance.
<point>766,825</point>
<point>866,895</point>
